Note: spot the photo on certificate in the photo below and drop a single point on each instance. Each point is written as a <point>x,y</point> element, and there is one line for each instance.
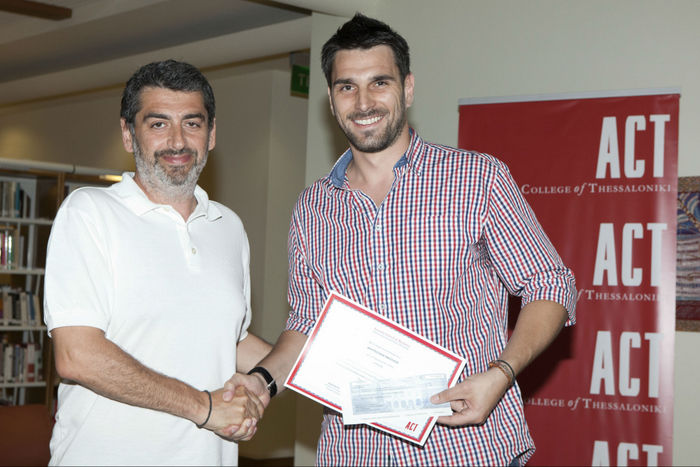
<point>374,371</point>
<point>375,401</point>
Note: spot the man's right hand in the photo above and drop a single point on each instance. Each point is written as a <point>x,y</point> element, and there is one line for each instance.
<point>254,383</point>
<point>235,418</point>
<point>278,362</point>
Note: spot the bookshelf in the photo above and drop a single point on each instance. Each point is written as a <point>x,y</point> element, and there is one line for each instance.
<point>30,194</point>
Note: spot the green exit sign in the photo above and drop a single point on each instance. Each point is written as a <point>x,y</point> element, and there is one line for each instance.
<point>300,81</point>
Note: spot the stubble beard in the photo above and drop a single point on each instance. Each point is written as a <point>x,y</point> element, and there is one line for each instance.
<point>178,183</point>
<point>366,141</point>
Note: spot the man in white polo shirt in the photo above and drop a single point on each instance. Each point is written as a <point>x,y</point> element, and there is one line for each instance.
<point>147,295</point>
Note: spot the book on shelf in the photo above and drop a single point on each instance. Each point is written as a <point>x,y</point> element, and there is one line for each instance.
<point>30,363</point>
<point>38,316</point>
<point>26,206</point>
<point>20,363</point>
<point>17,363</point>
<point>17,197</point>
<point>8,355</point>
<point>10,247</point>
<point>7,187</point>
<point>20,252</point>
<point>14,202</point>
<point>7,308</point>
<point>23,303</point>
<point>35,317</point>
<point>20,308</point>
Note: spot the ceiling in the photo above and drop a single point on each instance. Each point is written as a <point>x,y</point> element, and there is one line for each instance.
<point>104,41</point>
<point>102,30</point>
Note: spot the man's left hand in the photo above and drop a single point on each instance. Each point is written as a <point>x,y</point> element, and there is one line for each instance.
<point>473,399</point>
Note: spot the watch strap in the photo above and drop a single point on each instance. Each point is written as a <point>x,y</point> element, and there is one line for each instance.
<point>271,384</point>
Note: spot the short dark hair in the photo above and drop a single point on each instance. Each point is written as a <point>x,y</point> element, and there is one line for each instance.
<point>168,74</point>
<point>362,32</point>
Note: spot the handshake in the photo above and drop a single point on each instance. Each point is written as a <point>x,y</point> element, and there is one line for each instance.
<point>235,409</point>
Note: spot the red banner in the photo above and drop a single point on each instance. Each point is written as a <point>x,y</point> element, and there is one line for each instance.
<point>601,175</point>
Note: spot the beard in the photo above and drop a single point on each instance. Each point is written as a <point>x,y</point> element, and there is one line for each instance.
<point>172,182</point>
<point>372,141</point>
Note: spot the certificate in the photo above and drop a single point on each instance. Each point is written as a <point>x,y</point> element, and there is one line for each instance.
<point>380,372</point>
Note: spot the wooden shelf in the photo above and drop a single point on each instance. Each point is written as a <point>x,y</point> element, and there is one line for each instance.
<point>23,271</point>
<point>25,220</point>
<point>21,327</point>
<point>32,384</point>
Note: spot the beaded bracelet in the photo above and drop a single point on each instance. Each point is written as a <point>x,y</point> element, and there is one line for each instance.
<point>509,367</point>
<point>505,368</point>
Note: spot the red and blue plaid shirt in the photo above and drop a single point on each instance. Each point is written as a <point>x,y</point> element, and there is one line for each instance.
<point>441,253</point>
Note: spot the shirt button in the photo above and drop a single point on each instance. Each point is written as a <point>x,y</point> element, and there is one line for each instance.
<point>382,307</point>
<point>194,251</point>
<point>380,266</point>
<point>378,228</point>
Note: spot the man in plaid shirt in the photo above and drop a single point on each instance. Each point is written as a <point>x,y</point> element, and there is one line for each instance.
<point>429,236</point>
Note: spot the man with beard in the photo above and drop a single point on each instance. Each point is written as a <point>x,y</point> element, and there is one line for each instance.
<point>147,295</point>
<point>431,237</point>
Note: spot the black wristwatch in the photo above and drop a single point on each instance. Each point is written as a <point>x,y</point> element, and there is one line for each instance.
<point>271,385</point>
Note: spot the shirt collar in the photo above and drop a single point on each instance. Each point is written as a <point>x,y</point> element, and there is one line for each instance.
<point>135,199</point>
<point>413,158</point>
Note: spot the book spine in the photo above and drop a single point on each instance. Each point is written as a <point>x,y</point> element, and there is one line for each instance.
<point>7,307</point>
<point>30,373</point>
<point>17,201</point>
<point>7,366</point>
<point>38,316</point>
<point>3,249</point>
<point>16,311</point>
<point>23,302</point>
<point>10,246</point>
<point>4,193</point>
<point>9,199</point>
<point>16,350</point>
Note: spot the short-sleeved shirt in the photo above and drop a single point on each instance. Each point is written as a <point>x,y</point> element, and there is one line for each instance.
<point>173,294</point>
<point>440,255</point>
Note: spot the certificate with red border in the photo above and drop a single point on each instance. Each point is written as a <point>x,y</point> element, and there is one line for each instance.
<point>353,343</point>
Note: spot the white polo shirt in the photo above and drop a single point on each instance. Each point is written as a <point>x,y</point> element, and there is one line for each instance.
<point>174,294</point>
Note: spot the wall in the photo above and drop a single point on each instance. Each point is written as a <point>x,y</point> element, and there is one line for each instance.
<point>82,130</point>
<point>473,48</point>
<point>286,175</point>
<point>261,134</point>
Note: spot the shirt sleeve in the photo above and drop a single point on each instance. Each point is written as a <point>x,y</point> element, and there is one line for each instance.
<point>305,294</point>
<point>78,288</point>
<point>245,260</point>
<point>524,257</point>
